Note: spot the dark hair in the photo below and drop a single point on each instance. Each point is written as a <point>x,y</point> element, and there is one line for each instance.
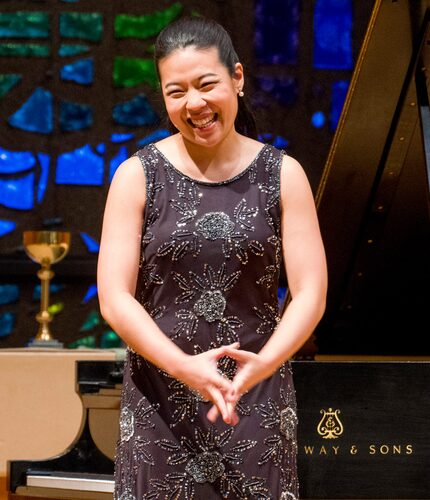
<point>204,34</point>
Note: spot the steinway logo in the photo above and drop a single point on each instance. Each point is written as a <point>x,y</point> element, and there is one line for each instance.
<point>330,426</point>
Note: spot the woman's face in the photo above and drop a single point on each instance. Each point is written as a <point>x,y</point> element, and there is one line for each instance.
<point>200,94</point>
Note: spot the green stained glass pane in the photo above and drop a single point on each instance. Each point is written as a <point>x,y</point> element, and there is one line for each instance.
<point>84,25</point>
<point>127,26</point>
<point>25,49</point>
<point>89,342</point>
<point>72,50</point>
<point>91,321</point>
<point>56,308</point>
<point>7,82</point>
<point>24,24</point>
<point>110,340</point>
<point>129,72</point>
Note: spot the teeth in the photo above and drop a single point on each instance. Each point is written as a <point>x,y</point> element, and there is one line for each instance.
<point>204,122</point>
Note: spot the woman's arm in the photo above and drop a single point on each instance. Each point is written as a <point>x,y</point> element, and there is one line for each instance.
<point>117,273</point>
<point>305,265</point>
<point>306,271</point>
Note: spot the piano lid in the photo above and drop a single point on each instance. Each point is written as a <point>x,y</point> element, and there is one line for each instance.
<point>373,198</point>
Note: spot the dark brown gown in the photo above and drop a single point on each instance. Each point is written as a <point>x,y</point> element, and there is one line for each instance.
<point>208,276</point>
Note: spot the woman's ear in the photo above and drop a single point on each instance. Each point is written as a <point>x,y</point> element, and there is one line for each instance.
<point>238,76</point>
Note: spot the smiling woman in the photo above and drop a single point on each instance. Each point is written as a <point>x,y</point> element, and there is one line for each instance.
<point>195,229</point>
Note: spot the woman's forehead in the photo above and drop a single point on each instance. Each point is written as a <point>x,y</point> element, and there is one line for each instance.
<point>191,58</point>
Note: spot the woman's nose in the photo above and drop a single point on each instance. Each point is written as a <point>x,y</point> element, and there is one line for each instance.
<point>195,100</point>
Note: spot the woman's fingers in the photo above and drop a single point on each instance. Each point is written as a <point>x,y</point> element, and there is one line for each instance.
<point>238,354</point>
<point>214,413</point>
<point>218,399</point>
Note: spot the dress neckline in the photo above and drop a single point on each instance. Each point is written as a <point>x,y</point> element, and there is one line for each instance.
<point>209,183</point>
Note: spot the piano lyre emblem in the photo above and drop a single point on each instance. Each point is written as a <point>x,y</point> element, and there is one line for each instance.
<point>330,426</point>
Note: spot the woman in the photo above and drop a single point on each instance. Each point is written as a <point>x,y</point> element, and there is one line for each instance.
<point>194,232</point>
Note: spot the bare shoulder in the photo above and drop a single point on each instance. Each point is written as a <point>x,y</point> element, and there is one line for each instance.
<point>294,181</point>
<point>129,180</point>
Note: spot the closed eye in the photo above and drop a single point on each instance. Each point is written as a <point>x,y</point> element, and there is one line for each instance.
<point>208,85</point>
<point>175,93</point>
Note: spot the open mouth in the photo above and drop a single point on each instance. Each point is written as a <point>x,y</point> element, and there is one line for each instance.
<point>204,123</point>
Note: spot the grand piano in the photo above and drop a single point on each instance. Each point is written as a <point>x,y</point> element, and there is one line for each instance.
<point>362,381</point>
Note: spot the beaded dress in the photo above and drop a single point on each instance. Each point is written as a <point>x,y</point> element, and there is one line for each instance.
<point>208,276</point>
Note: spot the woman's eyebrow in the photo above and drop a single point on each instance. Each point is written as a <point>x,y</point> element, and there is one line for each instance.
<point>172,84</point>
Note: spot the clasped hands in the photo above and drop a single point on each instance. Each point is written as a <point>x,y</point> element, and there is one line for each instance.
<point>200,372</point>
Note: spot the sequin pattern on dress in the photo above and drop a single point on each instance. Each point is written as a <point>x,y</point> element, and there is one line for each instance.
<point>208,274</point>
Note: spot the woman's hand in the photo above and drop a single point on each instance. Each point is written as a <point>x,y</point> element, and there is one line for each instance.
<point>200,373</point>
<point>251,369</point>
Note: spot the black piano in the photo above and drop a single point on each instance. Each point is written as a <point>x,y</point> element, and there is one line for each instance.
<point>363,434</point>
<point>363,380</point>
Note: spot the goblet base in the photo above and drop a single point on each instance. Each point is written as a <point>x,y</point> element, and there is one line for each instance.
<point>53,343</point>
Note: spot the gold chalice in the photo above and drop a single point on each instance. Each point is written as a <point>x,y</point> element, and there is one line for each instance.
<point>46,248</point>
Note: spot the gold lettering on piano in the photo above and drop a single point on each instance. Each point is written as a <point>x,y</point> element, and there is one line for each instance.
<point>321,450</point>
<point>330,426</point>
<point>393,449</point>
<point>353,449</point>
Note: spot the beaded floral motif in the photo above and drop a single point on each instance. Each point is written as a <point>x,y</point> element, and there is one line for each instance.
<point>219,226</point>
<point>127,495</point>
<point>186,401</point>
<point>210,304</point>
<point>284,420</point>
<point>215,225</point>
<point>269,318</point>
<point>206,460</point>
<point>132,418</point>
<point>288,496</point>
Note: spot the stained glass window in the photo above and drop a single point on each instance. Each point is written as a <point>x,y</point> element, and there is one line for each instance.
<point>276,31</point>
<point>135,112</point>
<point>36,114</point>
<point>82,25</point>
<point>81,166</point>
<point>332,34</point>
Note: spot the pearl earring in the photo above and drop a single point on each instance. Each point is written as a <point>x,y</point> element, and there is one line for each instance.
<point>241,93</point>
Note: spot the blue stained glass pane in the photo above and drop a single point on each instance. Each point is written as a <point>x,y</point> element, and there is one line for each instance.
<point>277,31</point>
<point>281,88</point>
<point>24,25</point>
<point>91,243</point>
<point>80,167</point>
<point>135,112</point>
<point>44,161</point>
<point>277,141</point>
<point>17,193</point>
<point>101,148</point>
<point>333,34</point>
<point>6,226</point>
<point>117,160</point>
<point>36,114</point>
<point>12,162</point>
<point>72,49</point>
<point>81,71</point>
<point>91,292</point>
<point>53,288</point>
<point>318,119</point>
<point>280,142</point>
<point>9,294</point>
<point>339,90</point>
<point>75,116</point>
<point>7,82</point>
<point>155,136</point>
<point>115,138</point>
<point>282,293</point>
<point>7,321</point>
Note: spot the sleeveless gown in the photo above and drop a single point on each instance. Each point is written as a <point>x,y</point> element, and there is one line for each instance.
<point>208,276</point>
